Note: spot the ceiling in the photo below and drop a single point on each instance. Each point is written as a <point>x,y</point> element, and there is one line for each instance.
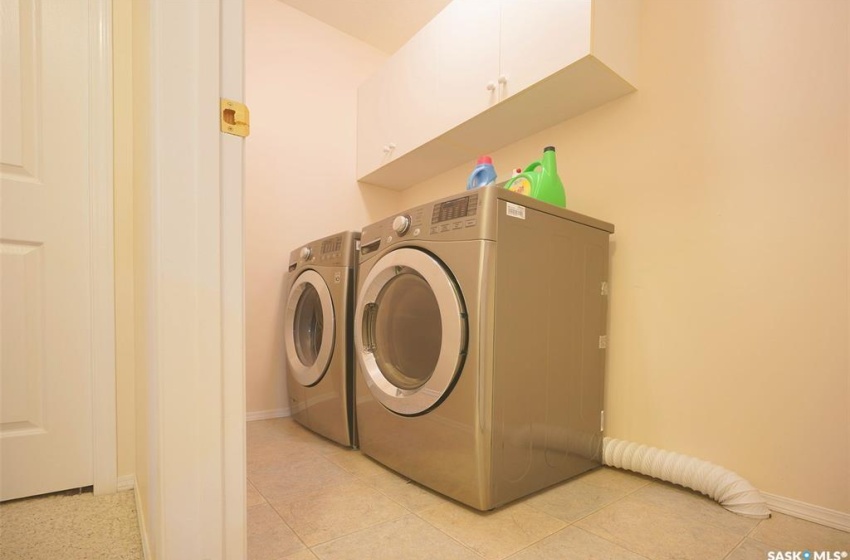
<point>384,24</point>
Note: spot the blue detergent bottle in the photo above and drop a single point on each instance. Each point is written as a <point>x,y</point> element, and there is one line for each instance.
<point>483,175</point>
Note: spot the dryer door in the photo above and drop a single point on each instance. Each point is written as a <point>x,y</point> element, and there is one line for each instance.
<point>410,331</point>
<point>309,328</point>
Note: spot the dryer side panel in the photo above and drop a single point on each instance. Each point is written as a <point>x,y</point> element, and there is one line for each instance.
<point>548,367</point>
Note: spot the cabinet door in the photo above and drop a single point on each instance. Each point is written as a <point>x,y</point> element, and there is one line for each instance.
<point>373,121</point>
<point>540,37</point>
<point>397,106</point>
<point>468,55</point>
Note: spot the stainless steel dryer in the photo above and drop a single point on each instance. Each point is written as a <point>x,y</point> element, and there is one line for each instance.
<point>480,340</point>
<point>320,368</point>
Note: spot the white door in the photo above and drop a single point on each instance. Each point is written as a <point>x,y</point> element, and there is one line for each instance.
<point>45,236</point>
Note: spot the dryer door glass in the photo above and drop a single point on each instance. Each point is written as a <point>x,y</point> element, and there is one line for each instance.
<point>410,331</point>
<point>309,328</point>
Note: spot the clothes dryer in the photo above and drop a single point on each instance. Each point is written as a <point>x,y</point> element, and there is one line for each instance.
<point>480,335</point>
<point>319,299</point>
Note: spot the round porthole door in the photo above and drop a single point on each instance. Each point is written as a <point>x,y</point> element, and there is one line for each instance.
<point>309,328</point>
<point>410,331</point>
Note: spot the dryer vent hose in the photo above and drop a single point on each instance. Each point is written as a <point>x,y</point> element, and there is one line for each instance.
<point>722,485</point>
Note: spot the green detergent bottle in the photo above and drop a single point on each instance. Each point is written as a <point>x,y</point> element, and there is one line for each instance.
<point>544,184</point>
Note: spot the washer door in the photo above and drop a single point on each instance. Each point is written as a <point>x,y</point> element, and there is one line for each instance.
<point>309,328</point>
<point>410,331</point>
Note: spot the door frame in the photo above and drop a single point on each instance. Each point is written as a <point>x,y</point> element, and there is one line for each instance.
<point>102,246</point>
<point>196,504</point>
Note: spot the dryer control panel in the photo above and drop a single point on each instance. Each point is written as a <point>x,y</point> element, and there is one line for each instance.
<point>457,213</point>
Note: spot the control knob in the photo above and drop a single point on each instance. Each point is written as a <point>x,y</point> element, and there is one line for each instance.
<point>306,253</point>
<point>401,224</point>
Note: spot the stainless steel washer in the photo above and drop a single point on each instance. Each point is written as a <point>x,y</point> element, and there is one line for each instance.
<point>479,332</point>
<point>317,336</point>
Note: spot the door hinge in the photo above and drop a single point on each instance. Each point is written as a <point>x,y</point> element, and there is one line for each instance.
<point>603,342</point>
<point>602,421</point>
<point>235,118</point>
<point>604,288</point>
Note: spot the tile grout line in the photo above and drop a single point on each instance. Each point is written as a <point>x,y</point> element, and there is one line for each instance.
<point>618,545</point>
<point>734,548</point>
<point>276,512</point>
<point>357,479</point>
<point>464,545</point>
<point>627,494</point>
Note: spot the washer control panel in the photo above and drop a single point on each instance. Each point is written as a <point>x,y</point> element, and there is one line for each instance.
<point>336,250</point>
<point>330,251</point>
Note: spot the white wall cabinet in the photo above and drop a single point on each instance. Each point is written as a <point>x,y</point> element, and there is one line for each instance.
<point>485,73</point>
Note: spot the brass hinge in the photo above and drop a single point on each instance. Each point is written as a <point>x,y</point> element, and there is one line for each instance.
<point>235,118</point>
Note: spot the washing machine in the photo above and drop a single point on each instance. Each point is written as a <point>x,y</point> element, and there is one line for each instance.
<point>320,290</point>
<point>480,336</point>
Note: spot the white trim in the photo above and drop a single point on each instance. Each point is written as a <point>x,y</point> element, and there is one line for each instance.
<point>127,482</point>
<point>268,414</point>
<point>197,410</point>
<point>143,531</point>
<point>104,444</point>
<point>232,53</point>
<point>809,512</point>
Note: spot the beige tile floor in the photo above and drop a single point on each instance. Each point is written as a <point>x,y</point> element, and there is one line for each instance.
<point>309,498</point>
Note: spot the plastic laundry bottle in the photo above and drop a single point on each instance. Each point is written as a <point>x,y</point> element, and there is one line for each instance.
<point>544,184</point>
<point>483,175</point>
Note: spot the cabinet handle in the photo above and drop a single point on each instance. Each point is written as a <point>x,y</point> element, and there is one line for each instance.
<point>491,86</point>
<point>503,79</point>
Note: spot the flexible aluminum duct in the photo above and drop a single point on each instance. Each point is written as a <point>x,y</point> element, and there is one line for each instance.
<point>722,485</point>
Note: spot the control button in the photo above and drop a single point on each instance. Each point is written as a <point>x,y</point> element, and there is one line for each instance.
<point>306,253</point>
<point>444,227</point>
<point>416,232</point>
<point>389,239</point>
<point>434,230</point>
<point>401,224</point>
<point>470,223</point>
<point>457,225</point>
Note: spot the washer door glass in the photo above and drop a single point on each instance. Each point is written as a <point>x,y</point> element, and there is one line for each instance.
<point>308,325</point>
<point>309,328</point>
<point>410,331</point>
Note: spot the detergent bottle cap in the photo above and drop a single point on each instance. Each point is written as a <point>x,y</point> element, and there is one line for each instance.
<point>484,159</point>
<point>549,149</point>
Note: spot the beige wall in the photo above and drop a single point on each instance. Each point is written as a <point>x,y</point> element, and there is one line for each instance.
<point>727,177</point>
<point>301,88</point>
<point>122,72</point>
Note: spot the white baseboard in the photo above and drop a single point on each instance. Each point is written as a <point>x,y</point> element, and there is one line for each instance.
<point>143,531</point>
<point>127,482</point>
<point>809,512</point>
<point>267,414</point>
